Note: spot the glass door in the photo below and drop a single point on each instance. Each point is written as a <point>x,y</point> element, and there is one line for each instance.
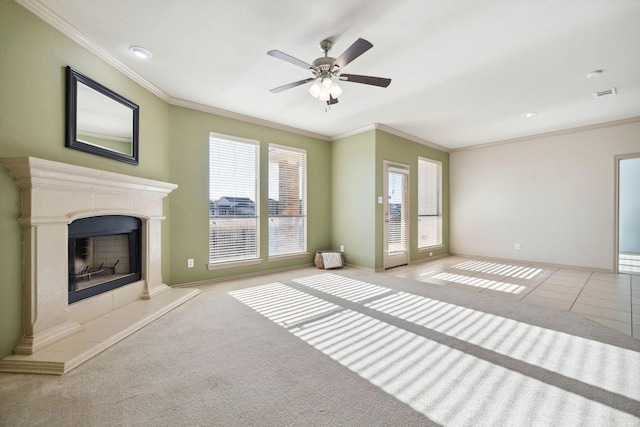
<point>396,215</point>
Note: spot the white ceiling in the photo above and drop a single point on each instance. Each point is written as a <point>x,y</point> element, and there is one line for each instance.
<point>463,72</point>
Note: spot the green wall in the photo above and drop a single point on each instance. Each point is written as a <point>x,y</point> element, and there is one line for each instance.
<point>396,149</point>
<point>353,197</point>
<point>189,135</point>
<point>344,176</point>
<point>357,172</point>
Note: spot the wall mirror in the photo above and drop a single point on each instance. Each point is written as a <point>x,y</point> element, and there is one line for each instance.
<point>99,121</point>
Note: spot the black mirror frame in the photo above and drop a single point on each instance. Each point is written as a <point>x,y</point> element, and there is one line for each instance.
<point>73,78</point>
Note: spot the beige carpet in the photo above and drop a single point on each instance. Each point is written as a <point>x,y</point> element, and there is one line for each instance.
<point>344,348</point>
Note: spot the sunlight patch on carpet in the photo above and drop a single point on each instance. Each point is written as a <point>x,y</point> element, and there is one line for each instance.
<point>447,385</point>
<point>592,362</point>
<point>277,302</point>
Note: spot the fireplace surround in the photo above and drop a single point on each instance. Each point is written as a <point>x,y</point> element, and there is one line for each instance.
<point>58,336</point>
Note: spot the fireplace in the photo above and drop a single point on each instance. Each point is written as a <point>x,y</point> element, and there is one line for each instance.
<point>104,254</point>
<point>92,262</point>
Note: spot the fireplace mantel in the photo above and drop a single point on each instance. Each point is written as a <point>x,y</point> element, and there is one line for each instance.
<point>53,195</point>
<point>87,192</point>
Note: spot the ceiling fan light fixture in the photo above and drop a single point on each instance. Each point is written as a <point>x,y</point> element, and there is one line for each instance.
<point>324,95</point>
<point>335,91</point>
<point>316,88</point>
<point>325,88</point>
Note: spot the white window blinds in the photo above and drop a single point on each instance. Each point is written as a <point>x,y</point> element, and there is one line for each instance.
<point>233,199</point>
<point>287,201</point>
<point>429,203</point>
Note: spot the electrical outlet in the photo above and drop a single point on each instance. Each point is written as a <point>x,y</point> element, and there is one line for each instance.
<point>341,248</point>
<point>518,246</point>
<point>190,263</point>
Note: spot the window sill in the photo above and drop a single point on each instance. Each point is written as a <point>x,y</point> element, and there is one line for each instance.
<point>430,248</point>
<point>289,256</point>
<point>231,264</point>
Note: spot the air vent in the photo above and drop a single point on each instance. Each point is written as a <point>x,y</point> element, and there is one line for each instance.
<point>605,93</point>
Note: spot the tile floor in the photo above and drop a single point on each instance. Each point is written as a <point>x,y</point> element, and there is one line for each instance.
<point>610,299</point>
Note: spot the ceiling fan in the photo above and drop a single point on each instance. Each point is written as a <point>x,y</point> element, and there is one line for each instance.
<point>325,69</point>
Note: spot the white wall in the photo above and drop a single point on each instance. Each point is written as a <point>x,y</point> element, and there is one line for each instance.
<point>553,195</point>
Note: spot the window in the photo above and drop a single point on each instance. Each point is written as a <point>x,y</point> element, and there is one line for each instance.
<point>429,203</point>
<point>287,201</point>
<point>234,233</point>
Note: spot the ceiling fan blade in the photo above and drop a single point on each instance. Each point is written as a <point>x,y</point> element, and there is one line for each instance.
<point>290,85</point>
<point>290,59</point>
<point>367,80</point>
<point>355,50</point>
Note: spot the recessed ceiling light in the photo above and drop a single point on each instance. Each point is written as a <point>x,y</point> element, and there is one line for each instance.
<point>527,115</point>
<point>140,52</point>
<point>594,73</point>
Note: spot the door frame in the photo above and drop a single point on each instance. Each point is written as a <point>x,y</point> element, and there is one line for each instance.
<point>386,164</point>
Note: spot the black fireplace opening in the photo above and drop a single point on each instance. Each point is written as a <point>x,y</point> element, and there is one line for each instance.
<point>105,253</point>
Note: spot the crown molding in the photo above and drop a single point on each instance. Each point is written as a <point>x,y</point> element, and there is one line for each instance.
<point>247,119</point>
<point>47,15</point>
<point>50,17</point>
<point>392,131</point>
<point>353,132</point>
<point>551,134</point>
<point>413,138</point>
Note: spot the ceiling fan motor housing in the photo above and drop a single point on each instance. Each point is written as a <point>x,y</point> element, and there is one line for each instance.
<point>324,64</point>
